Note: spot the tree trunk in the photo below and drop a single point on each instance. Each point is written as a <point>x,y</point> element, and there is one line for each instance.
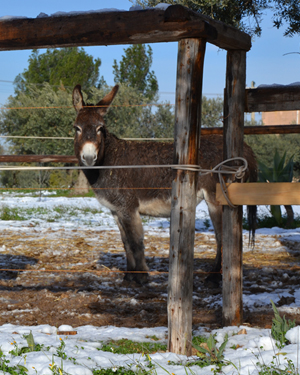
<point>81,186</point>
<point>290,215</point>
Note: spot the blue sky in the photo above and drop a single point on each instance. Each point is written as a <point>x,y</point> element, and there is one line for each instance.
<point>266,63</point>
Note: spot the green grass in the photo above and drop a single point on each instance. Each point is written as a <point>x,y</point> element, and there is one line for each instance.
<point>69,193</point>
<point>59,212</point>
<point>7,213</point>
<point>270,222</point>
<point>125,346</point>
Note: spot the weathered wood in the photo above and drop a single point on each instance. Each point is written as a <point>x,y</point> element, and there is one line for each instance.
<point>38,159</point>
<point>234,107</point>
<point>273,98</point>
<point>265,129</point>
<point>111,28</point>
<point>187,140</point>
<point>261,193</point>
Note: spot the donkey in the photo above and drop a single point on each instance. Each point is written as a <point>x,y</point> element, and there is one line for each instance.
<point>129,193</point>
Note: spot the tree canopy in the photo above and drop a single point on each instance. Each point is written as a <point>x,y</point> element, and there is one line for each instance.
<point>243,14</point>
<point>134,70</point>
<point>64,66</point>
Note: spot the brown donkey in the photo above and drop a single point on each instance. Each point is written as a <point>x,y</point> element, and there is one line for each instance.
<point>129,193</point>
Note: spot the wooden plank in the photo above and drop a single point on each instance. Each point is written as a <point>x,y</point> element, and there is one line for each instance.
<point>273,98</point>
<point>265,129</point>
<point>261,193</point>
<point>38,159</point>
<point>111,28</point>
<point>187,141</point>
<point>234,107</point>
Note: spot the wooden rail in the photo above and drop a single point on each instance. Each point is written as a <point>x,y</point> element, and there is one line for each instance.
<point>261,193</point>
<point>274,129</point>
<point>111,28</point>
<point>273,98</point>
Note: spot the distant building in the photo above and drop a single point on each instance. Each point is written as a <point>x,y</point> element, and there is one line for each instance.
<point>281,118</point>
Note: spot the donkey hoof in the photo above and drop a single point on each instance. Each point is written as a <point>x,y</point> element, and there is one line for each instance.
<point>138,278</point>
<point>141,278</point>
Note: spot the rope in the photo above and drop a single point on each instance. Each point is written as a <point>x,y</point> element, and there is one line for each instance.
<point>72,138</point>
<point>220,169</point>
<point>105,270</point>
<point>94,106</point>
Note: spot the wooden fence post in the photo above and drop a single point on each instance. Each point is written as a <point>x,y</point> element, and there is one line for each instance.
<point>187,141</point>
<point>234,106</point>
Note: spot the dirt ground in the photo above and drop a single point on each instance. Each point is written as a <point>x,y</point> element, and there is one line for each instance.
<point>75,278</point>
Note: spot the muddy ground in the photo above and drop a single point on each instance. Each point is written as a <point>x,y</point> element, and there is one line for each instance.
<point>75,278</point>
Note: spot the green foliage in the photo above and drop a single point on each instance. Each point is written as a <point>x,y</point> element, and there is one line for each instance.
<point>264,147</point>
<point>212,112</point>
<point>271,222</point>
<point>132,116</point>
<point>56,121</point>
<point>114,371</point>
<point>63,66</point>
<point>281,171</point>
<point>274,368</point>
<point>280,326</point>
<point>30,341</point>
<point>134,70</point>
<point>243,14</point>
<point>125,346</point>
<point>210,352</point>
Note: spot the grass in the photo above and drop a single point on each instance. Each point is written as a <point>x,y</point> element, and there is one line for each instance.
<point>270,222</point>
<point>50,192</point>
<point>125,346</point>
<point>213,355</point>
<point>57,213</point>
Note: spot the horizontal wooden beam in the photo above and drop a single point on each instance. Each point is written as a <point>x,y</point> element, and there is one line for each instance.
<point>265,129</point>
<point>38,159</point>
<point>261,193</point>
<point>273,98</point>
<point>111,28</point>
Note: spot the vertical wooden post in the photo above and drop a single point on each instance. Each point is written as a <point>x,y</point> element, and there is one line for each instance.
<point>187,141</point>
<point>234,106</point>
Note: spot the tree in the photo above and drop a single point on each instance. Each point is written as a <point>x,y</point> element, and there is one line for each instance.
<point>139,87</point>
<point>134,70</point>
<point>212,112</point>
<point>64,66</point>
<point>47,82</point>
<point>236,12</point>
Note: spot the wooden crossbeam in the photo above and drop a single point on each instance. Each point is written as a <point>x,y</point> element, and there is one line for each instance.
<point>111,28</point>
<point>273,98</point>
<point>260,193</point>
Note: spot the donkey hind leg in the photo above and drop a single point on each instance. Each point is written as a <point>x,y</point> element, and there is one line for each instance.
<point>132,234</point>
<point>215,213</point>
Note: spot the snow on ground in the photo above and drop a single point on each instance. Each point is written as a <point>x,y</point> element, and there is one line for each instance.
<point>246,348</point>
<point>243,351</point>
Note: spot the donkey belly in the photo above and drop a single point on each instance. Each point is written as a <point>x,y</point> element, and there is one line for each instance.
<point>155,207</point>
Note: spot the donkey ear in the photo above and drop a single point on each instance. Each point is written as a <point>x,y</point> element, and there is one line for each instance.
<point>78,102</point>
<point>107,100</point>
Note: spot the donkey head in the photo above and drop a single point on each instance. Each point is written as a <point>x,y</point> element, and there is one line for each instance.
<point>90,127</point>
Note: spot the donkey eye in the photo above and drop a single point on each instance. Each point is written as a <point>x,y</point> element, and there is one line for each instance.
<point>78,129</point>
<point>98,129</point>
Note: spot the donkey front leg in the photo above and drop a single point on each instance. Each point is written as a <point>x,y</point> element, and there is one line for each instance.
<point>132,234</point>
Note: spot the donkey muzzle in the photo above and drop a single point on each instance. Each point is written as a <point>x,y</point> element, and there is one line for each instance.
<point>89,154</point>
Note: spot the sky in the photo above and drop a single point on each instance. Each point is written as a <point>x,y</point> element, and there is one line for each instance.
<point>266,63</point>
